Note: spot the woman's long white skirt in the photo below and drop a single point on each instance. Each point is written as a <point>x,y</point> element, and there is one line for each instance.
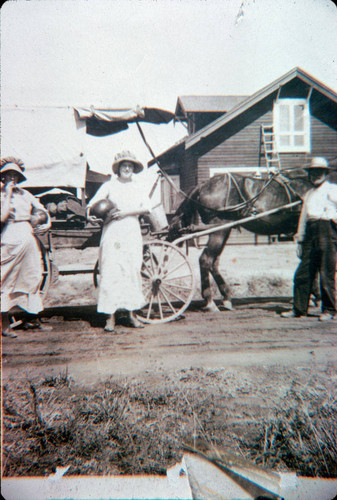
<point>120,261</point>
<point>21,268</point>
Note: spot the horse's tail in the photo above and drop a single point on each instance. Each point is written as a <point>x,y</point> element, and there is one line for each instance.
<point>184,214</point>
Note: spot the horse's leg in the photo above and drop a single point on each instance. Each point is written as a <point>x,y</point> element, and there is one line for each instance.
<point>212,251</point>
<point>224,289</point>
<point>205,263</point>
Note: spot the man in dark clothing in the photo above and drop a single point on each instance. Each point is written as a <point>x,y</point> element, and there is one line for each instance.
<point>317,239</point>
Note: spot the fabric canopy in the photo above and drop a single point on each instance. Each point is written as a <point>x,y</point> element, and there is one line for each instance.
<point>101,122</point>
<point>55,142</point>
<point>49,141</point>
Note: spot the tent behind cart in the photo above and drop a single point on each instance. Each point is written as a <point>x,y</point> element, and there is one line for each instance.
<point>51,143</point>
<point>51,140</point>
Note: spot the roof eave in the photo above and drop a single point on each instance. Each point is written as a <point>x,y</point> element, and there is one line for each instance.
<point>255,98</point>
<point>180,112</point>
<point>172,149</point>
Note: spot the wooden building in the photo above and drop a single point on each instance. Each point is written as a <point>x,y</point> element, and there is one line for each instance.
<point>281,126</point>
<point>196,112</point>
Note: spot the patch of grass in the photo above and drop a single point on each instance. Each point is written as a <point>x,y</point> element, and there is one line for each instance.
<point>61,379</point>
<point>139,428</point>
<point>301,434</point>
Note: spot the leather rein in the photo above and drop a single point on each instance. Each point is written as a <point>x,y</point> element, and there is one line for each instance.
<point>246,203</point>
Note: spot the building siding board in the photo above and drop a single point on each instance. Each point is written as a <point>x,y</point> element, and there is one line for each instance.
<point>243,148</point>
<point>188,178</point>
<point>323,139</point>
<point>239,150</point>
<point>238,142</point>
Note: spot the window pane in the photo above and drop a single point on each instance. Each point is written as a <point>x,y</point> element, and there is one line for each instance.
<point>299,118</point>
<point>284,118</point>
<point>299,140</point>
<point>284,140</point>
<point>292,124</point>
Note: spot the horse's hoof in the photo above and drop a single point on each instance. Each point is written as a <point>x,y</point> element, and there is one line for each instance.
<point>212,307</point>
<point>227,305</point>
<point>8,333</point>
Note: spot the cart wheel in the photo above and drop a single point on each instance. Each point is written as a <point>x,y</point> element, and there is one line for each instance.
<point>46,270</point>
<point>168,282</point>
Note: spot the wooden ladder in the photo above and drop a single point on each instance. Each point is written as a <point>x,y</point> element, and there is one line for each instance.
<point>271,154</point>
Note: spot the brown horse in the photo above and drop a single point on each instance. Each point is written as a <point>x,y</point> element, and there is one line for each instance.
<point>231,197</point>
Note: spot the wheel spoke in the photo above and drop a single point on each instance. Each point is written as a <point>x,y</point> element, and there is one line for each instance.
<point>174,294</point>
<point>144,275</point>
<point>175,268</point>
<point>178,277</point>
<point>161,257</point>
<point>150,307</point>
<point>148,269</point>
<point>177,286</point>
<point>167,300</point>
<point>165,260</point>
<point>154,266</point>
<point>160,308</point>
<point>147,293</point>
<point>169,282</point>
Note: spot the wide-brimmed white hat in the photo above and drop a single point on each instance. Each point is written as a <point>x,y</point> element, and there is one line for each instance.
<point>318,162</point>
<point>10,165</point>
<point>126,156</point>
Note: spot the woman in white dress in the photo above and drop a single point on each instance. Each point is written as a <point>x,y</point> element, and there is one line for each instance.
<point>21,269</point>
<point>121,246</point>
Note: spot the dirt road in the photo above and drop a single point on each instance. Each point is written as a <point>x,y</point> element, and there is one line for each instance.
<point>253,335</point>
<point>246,380</point>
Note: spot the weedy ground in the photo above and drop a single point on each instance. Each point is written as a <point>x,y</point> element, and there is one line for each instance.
<point>281,421</point>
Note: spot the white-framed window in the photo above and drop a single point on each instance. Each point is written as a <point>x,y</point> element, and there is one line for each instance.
<point>291,119</point>
<point>238,170</point>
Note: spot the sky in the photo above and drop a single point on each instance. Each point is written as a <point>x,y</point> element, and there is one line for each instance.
<point>120,53</point>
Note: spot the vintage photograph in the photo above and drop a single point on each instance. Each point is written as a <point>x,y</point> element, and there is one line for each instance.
<point>168,249</point>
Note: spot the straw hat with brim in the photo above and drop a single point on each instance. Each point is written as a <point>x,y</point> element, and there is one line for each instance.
<point>16,168</point>
<point>126,156</point>
<point>318,162</point>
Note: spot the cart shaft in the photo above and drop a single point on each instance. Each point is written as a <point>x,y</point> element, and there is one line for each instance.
<point>229,225</point>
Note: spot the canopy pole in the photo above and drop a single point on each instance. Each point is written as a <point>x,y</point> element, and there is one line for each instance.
<point>164,174</point>
<point>145,141</point>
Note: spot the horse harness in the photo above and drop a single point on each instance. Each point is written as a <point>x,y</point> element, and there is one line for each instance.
<point>247,204</point>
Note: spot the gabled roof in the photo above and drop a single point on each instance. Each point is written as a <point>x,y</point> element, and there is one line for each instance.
<point>206,104</point>
<point>244,105</point>
<point>178,146</point>
<point>257,97</point>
